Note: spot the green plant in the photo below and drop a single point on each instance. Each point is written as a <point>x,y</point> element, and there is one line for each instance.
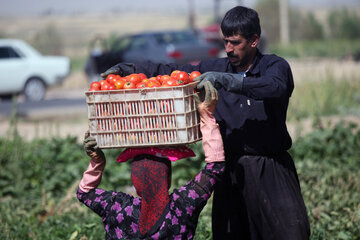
<point>38,181</point>
<point>344,24</point>
<point>328,164</point>
<point>331,48</point>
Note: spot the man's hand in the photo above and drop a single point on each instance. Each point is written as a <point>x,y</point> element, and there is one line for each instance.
<point>231,82</point>
<point>91,148</point>
<point>208,103</point>
<point>122,69</point>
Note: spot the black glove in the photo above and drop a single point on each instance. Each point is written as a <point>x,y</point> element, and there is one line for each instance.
<point>122,69</point>
<point>92,149</point>
<point>231,82</point>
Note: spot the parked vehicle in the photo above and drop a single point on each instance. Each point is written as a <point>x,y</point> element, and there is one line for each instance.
<point>176,46</point>
<point>23,70</point>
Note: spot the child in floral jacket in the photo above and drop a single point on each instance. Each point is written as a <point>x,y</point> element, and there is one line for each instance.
<point>156,214</point>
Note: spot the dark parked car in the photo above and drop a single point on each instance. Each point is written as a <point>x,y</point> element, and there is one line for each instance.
<point>178,46</point>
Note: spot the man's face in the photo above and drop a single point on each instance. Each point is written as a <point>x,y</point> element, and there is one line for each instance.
<point>240,51</point>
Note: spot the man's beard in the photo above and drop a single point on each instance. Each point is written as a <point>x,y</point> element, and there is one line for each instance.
<point>240,63</point>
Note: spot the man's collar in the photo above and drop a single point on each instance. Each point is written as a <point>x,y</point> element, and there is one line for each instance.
<point>255,68</point>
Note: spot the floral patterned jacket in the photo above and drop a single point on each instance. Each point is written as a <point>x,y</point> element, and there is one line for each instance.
<point>120,212</point>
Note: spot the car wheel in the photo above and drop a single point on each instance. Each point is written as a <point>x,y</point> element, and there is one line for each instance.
<point>34,89</point>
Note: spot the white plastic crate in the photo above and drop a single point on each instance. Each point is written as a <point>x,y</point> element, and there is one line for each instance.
<point>143,117</point>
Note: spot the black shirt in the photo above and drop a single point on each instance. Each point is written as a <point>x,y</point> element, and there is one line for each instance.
<point>252,122</point>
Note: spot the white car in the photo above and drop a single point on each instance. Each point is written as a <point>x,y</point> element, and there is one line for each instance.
<point>23,70</point>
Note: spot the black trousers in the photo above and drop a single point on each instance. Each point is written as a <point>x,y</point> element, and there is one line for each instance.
<point>259,198</point>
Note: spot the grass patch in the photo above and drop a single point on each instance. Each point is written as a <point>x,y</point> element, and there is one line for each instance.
<point>324,97</point>
<point>77,64</point>
<point>321,48</point>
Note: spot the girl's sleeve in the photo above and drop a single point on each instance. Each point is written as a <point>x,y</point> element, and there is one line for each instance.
<point>88,193</point>
<point>97,200</point>
<point>92,176</point>
<point>197,191</point>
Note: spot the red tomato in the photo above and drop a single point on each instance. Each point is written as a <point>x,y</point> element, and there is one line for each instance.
<point>183,76</point>
<point>111,78</point>
<point>169,82</point>
<point>179,82</point>
<point>174,73</point>
<point>93,89</point>
<point>134,78</point>
<point>105,86</point>
<point>142,76</point>
<point>164,78</point>
<point>102,82</point>
<point>119,84</point>
<point>112,87</point>
<point>146,80</point>
<point>153,83</point>
<point>193,75</point>
<point>129,85</point>
<point>95,85</point>
<point>141,85</point>
<point>158,77</point>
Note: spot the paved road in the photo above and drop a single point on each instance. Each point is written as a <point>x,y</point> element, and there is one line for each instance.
<point>57,102</point>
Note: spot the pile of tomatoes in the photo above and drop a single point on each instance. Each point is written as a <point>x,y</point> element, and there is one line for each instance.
<point>140,80</point>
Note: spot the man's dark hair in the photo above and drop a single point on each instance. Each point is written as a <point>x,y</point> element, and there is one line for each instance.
<point>241,20</point>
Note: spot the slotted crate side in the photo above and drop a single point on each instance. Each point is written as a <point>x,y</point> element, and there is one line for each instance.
<point>139,107</point>
<point>135,118</point>
<point>140,122</point>
<point>148,138</point>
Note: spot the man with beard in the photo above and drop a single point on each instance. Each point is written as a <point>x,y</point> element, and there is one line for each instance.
<point>260,195</point>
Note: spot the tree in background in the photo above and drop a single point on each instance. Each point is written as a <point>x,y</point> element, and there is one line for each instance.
<point>49,41</point>
<point>344,24</point>
<point>303,26</point>
<point>269,19</point>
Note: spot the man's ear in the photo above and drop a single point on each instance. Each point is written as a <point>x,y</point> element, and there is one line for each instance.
<point>254,40</point>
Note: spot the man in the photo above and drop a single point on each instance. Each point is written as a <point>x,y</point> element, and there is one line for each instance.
<point>260,195</point>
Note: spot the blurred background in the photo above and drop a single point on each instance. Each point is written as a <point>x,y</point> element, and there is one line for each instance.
<point>319,38</point>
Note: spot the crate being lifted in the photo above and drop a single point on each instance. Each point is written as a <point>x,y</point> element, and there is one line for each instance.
<point>162,116</point>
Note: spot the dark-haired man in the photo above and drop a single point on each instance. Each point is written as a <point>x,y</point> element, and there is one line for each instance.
<point>260,195</point>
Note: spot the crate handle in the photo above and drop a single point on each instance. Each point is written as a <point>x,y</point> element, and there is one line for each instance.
<point>143,91</point>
